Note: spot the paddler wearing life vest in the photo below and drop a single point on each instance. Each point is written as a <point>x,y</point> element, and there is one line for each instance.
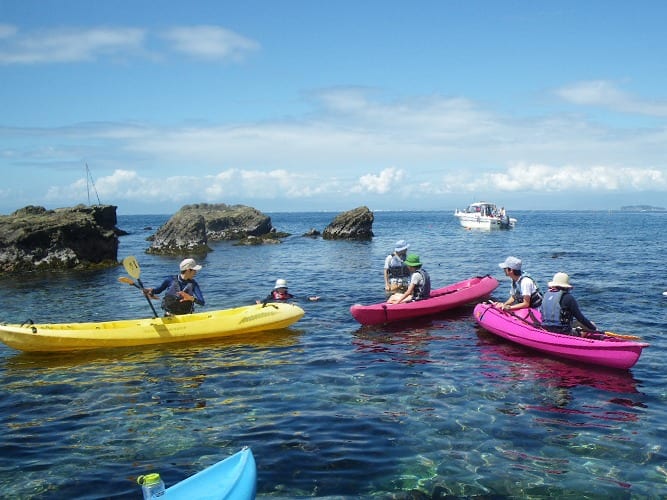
<point>420,283</point>
<point>396,273</point>
<point>559,308</point>
<point>524,292</point>
<point>182,291</point>
<point>280,293</point>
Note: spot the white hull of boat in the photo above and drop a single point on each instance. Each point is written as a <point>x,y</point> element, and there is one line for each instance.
<point>476,221</point>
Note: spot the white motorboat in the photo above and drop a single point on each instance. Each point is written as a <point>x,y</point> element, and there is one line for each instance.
<point>484,215</point>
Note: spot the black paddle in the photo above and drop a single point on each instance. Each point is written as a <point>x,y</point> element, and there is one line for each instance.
<point>132,267</point>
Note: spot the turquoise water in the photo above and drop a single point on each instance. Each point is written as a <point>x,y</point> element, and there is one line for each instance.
<point>429,408</point>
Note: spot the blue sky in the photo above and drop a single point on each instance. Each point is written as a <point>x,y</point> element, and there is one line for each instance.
<point>300,105</point>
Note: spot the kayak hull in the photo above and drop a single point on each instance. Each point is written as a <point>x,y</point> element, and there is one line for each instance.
<point>58,337</point>
<point>600,350</point>
<point>234,478</point>
<point>442,299</point>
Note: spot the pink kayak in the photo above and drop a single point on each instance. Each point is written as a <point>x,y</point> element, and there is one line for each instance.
<point>596,348</point>
<point>442,299</point>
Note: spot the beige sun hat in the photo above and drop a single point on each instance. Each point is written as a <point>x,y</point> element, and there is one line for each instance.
<point>561,280</point>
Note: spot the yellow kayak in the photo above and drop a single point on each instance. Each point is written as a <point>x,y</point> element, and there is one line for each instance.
<point>56,337</point>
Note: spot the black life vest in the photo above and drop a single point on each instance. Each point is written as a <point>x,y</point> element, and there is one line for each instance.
<point>422,291</point>
<point>536,296</point>
<point>397,268</point>
<point>172,301</point>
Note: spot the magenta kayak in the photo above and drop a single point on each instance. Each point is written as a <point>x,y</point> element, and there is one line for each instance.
<point>442,299</point>
<point>596,348</point>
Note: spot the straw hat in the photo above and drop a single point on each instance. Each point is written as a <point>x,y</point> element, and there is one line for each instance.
<point>561,280</point>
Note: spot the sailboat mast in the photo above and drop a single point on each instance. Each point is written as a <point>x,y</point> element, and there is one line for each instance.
<point>89,182</point>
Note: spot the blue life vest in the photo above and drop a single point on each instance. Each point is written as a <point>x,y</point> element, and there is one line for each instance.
<point>554,317</point>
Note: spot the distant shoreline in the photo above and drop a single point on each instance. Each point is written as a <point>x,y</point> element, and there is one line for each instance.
<point>642,208</point>
<point>632,208</point>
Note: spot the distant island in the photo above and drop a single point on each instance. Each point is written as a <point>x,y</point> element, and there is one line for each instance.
<point>642,208</point>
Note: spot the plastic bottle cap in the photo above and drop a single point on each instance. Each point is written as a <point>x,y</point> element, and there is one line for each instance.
<point>149,479</point>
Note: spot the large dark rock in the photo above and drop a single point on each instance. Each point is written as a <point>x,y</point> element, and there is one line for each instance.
<point>80,237</point>
<point>193,226</point>
<point>354,224</point>
<point>183,233</point>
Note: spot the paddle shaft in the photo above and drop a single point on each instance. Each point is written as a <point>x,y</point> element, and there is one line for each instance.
<point>132,267</point>
<point>622,336</point>
<point>141,285</point>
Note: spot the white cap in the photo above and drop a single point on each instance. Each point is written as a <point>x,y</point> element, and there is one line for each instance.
<point>512,263</point>
<point>280,283</point>
<point>189,264</point>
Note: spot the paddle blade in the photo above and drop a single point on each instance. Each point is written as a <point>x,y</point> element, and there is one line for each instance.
<point>128,281</point>
<point>132,266</point>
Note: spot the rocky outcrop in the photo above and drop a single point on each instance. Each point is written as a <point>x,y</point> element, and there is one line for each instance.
<point>354,224</point>
<point>80,237</point>
<point>184,233</point>
<point>194,226</point>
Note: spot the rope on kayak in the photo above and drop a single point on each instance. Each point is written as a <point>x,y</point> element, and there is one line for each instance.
<point>30,322</point>
<point>486,310</point>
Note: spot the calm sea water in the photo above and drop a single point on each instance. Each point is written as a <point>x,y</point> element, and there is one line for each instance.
<point>423,409</point>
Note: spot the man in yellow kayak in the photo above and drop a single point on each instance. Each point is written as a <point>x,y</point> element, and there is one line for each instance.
<point>182,290</point>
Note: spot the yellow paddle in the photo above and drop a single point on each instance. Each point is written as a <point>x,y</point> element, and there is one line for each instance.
<point>622,336</point>
<point>132,267</point>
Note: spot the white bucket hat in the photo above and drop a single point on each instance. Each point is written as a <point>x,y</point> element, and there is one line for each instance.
<point>280,283</point>
<point>189,264</point>
<point>401,246</point>
<point>512,263</point>
<point>561,280</point>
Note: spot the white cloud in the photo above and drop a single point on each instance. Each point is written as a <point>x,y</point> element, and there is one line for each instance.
<point>442,145</point>
<point>67,45</point>
<point>605,94</point>
<point>382,183</point>
<point>7,30</point>
<point>70,45</point>
<point>129,185</point>
<point>210,42</point>
<point>555,178</point>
